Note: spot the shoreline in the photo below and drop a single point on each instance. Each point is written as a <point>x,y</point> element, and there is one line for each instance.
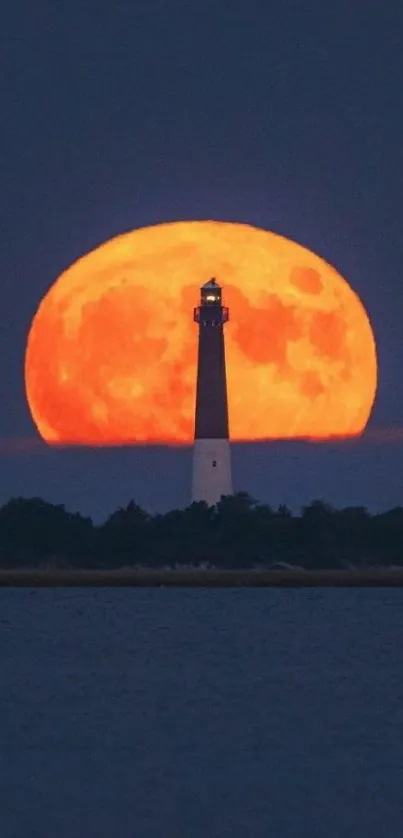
<point>136,578</point>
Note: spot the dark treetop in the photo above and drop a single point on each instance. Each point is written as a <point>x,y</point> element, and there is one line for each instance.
<point>238,532</point>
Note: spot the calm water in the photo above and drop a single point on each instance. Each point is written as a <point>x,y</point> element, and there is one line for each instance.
<point>199,714</point>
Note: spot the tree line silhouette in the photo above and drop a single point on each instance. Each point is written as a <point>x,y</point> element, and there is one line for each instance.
<point>239,532</point>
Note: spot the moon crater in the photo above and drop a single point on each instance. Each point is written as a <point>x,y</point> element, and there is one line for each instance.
<point>306,279</point>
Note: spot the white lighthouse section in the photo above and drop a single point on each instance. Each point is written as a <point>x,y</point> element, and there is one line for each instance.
<point>211,470</point>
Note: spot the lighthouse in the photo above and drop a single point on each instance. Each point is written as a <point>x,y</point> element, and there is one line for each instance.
<point>211,453</point>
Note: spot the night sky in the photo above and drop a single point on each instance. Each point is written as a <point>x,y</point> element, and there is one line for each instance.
<point>284,115</point>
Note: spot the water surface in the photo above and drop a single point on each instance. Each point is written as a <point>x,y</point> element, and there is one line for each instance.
<point>165,713</point>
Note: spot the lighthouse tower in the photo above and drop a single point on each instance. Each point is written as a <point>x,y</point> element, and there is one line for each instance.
<point>211,453</point>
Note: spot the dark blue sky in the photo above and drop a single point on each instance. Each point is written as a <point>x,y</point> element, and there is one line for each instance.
<point>287,115</point>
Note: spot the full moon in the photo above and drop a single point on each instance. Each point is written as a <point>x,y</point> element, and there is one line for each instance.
<point>112,350</point>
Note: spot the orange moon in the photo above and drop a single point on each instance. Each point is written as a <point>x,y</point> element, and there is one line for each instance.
<point>112,350</point>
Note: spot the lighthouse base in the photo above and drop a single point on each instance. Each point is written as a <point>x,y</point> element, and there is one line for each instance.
<point>211,470</point>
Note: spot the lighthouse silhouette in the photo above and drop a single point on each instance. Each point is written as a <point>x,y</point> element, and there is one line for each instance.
<point>211,453</point>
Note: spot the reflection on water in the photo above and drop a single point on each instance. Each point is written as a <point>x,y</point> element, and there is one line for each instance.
<point>201,713</point>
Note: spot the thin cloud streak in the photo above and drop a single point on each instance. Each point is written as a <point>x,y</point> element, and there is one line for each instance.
<point>371,435</point>
<point>21,445</point>
<point>31,445</point>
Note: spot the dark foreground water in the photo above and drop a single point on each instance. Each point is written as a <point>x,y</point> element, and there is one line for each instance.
<point>198,713</point>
